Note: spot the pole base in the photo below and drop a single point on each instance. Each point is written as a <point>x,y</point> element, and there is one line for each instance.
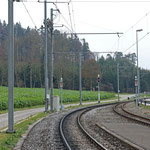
<point>8,131</point>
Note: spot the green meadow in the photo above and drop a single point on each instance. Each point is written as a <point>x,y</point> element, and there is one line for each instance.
<point>28,97</point>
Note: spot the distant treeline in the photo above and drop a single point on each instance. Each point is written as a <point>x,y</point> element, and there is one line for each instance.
<point>29,62</point>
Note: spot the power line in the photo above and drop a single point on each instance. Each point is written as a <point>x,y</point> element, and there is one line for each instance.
<point>89,1</point>
<point>109,1</point>
<point>66,22</point>
<point>61,52</point>
<point>63,17</point>
<point>137,22</point>
<point>30,1</point>
<point>138,41</point>
<point>68,29</point>
<point>97,33</point>
<point>132,28</point>
<point>29,14</point>
<point>73,14</point>
<point>70,17</point>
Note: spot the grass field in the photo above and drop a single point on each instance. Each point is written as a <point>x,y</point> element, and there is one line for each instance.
<point>27,97</point>
<point>8,141</point>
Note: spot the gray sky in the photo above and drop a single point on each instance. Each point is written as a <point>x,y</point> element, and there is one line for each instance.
<point>102,16</point>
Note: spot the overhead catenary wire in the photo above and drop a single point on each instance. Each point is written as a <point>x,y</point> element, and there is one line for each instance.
<point>65,21</point>
<point>63,18</point>
<point>73,17</point>
<point>29,14</point>
<point>61,52</point>
<point>143,17</point>
<point>100,1</point>
<point>135,42</point>
<point>70,17</point>
<point>131,28</point>
<point>109,1</point>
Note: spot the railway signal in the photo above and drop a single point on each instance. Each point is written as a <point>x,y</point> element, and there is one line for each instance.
<point>61,86</point>
<point>136,85</point>
<point>98,78</point>
<point>98,81</point>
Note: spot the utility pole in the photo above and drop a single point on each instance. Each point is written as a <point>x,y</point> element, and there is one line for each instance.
<point>139,83</point>
<point>51,53</point>
<point>136,90</point>
<point>138,76</point>
<point>10,68</point>
<point>98,81</point>
<point>46,57</point>
<point>80,78</point>
<point>118,80</point>
<point>61,86</point>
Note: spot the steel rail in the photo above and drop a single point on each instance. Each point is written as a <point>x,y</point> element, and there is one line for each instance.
<point>61,125</point>
<point>93,140</point>
<point>132,114</point>
<point>129,117</point>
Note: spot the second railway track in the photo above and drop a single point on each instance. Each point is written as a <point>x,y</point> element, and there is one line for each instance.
<point>76,136</point>
<point>120,110</point>
<point>100,122</point>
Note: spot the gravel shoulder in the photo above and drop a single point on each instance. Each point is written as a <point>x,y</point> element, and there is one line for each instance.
<point>45,134</point>
<point>129,130</point>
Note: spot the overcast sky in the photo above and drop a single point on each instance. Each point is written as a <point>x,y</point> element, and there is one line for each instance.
<point>94,16</point>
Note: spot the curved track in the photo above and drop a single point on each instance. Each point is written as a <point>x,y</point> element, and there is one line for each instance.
<point>84,139</point>
<point>75,136</point>
<point>99,145</point>
<point>120,110</point>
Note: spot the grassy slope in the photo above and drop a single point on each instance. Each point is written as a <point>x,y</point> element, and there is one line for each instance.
<point>27,97</point>
<point>8,141</point>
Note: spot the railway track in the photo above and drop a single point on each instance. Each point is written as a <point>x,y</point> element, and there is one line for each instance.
<point>76,136</point>
<point>89,128</point>
<point>120,110</point>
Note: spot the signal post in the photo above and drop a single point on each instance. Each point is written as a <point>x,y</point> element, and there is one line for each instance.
<point>136,84</point>
<point>98,81</point>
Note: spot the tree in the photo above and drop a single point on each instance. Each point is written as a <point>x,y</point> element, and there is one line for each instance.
<point>90,71</point>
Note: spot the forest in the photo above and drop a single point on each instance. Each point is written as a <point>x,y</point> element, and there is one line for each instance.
<point>30,55</point>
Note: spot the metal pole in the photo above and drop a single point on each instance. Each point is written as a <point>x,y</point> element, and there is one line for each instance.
<point>118,80</point>
<point>139,84</point>
<point>52,45</point>
<point>137,62</point>
<point>61,86</point>
<point>61,100</point>
<point>137,68</point>
<point>98,93</point>
<point>98,81</point>
<point>80,79</point>
<point>10,68</point>
<point>136,96</point>
<point>46,57</point>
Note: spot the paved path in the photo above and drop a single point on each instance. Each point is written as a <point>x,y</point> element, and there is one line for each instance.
<point>20,115</point>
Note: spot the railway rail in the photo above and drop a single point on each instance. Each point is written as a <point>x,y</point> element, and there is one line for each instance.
<point>94,127</point>
<point>70,125</point>
<point>79,138</point>
<point>120,110</point>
